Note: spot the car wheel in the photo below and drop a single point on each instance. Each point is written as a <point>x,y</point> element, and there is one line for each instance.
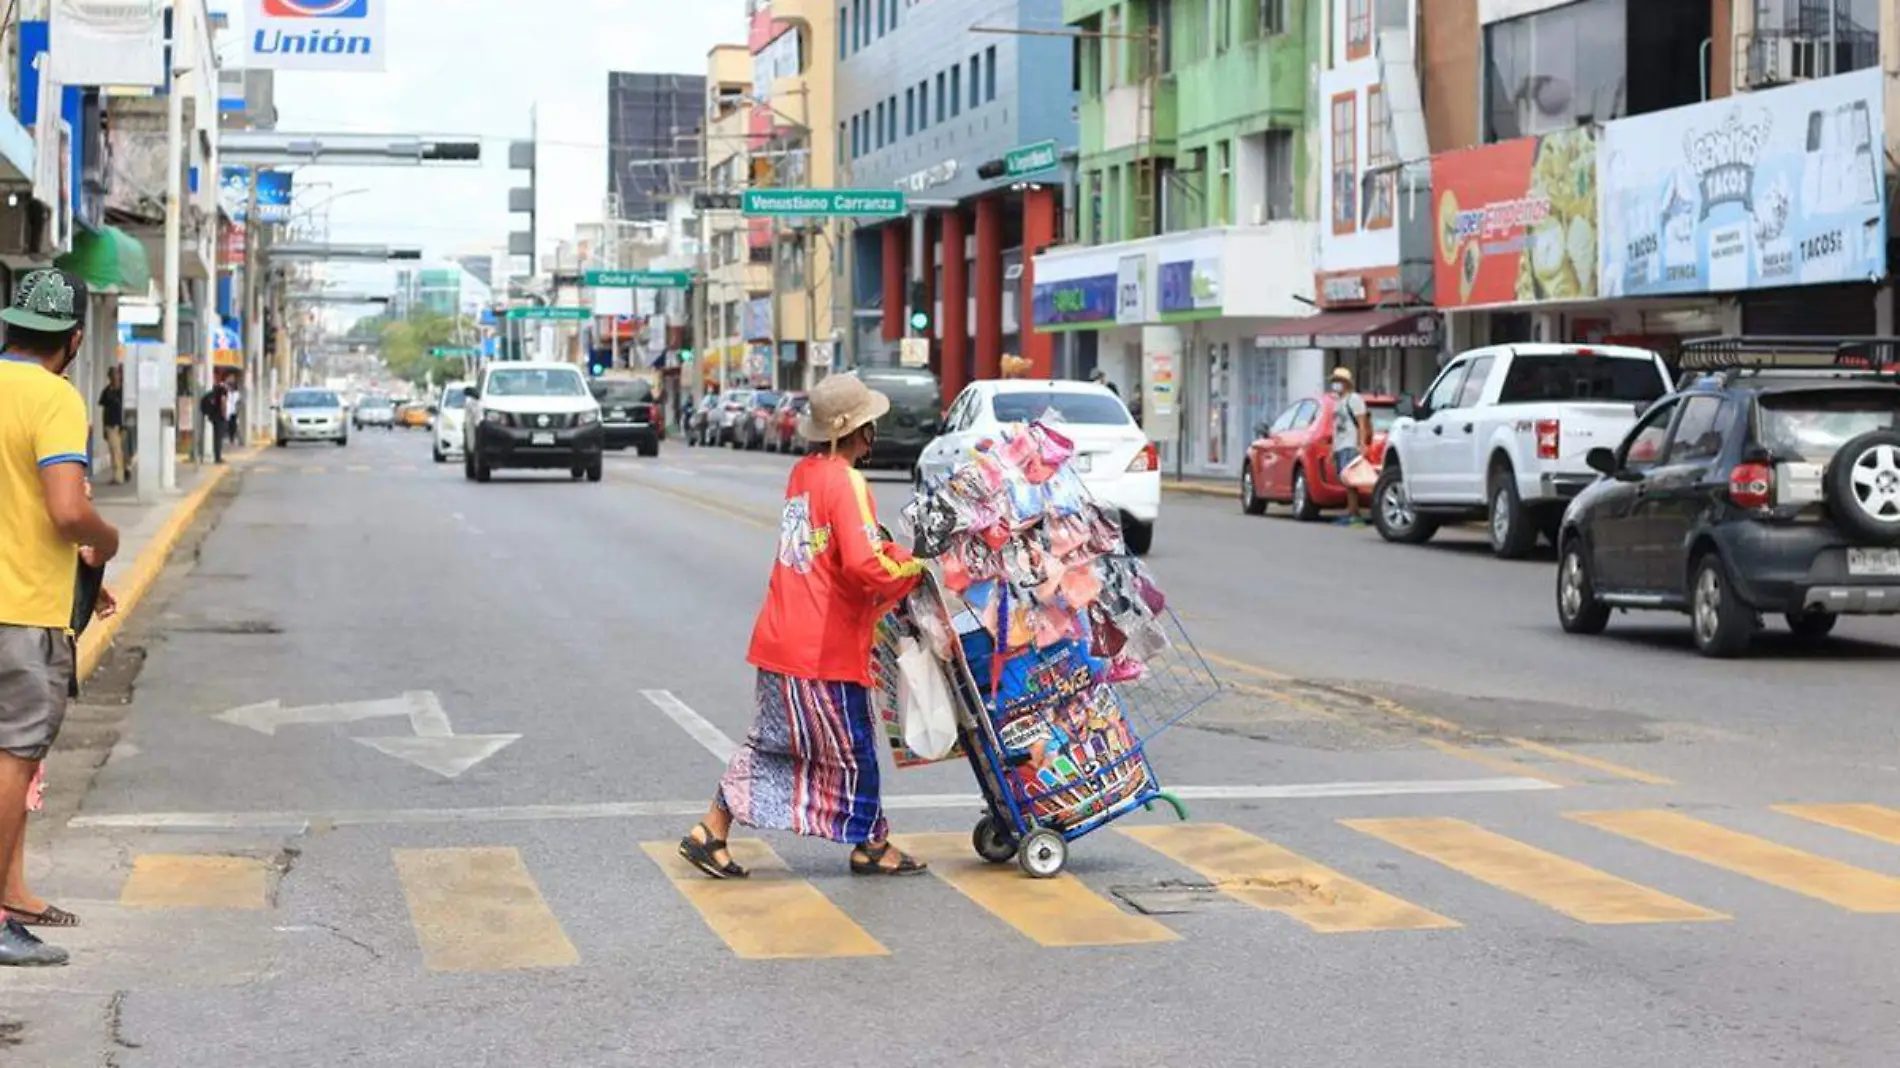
<point>439,456</point>
<point>1722,623</point>
<point>282,444</point>
<point>343,441</point>
<point>1513,535</point>
<point>1250,502</point>
<point>1578,608</point>
<point>576,473</point>
<point>482,472</point>
<point>468,466</point>
<point>1811,626</point>
<point>1139,536</point>
<point>1862,486</point>
<point>1304,509</point>
<point>596,471</point>
<point>1393,514</point>
<point>650,449</point>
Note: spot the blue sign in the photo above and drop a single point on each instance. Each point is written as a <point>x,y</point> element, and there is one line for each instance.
<point>1784,187</point>
<point>273,195</point>
<point>1075,301</point>
<point>1189,287</point>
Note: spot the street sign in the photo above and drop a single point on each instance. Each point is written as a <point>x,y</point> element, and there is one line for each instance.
<point>636,279</point>
<point>574,315</point>
<point>863,203</point>
<point>434,745</point>
<point>914,352</point>
<point>1031,159</point>
<point>444,352</point>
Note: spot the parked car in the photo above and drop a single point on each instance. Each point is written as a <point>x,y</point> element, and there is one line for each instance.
<point>749,431</point>
<point>1753,491</point>
<point>532,415</point>
<point>312,415</point>
<point>450,407</point>
<point>629,415</point>
<point>782,433</point>
<point>733,404</point>
<point>374,410</point>
<point>1291,459</point>
<point>703,424</point>
<point>915,417</point>
<point>1116,461</point>
<point>1502,435</point>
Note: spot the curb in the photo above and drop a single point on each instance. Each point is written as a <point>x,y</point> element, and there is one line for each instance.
<point>136,581</point>
<point>1201,489</point>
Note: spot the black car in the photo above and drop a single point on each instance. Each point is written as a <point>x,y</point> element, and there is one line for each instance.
<point>629,416</point>
<point>1770,486</point>
<point>916,410</point>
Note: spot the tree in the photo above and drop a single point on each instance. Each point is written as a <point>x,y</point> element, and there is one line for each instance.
<point>407,344</point>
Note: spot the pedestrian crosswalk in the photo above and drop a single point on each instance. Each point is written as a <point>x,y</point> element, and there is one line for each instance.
<point>481,908</point>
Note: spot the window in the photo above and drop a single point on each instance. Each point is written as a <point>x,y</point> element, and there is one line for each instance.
<point>1284,421</point>
<point>553,382</point>
<point>989,74</point>
<point>1358,29</point>
<point>1555,69</point>
<point>883,10</point>
<point>1628,379</point>
<point>1304,414</point>
<point>842,141</point>
<point>857,138</point>
<point>1699,434</point>
<point>1472,393</point>
<point>1812,426</point>
<point>1160,14</point>
<point>923,105</point>
<point>1644,445</point>
<point>844,39</point>
<point>956,91</point>
<point>857,25</point>
<point>890,117</point>
<point>976,85</point>
<point>1222,211</point>
<point>1272,20</point>
<point>1079,409</point>
<point>940,95</point>
<point>1345,163</point>
<point>1379,189</point>
<point>910,111</point>
<point>1450,385</point>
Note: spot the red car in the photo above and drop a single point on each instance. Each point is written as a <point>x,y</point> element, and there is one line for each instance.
<point>781,432</point>
<point>1291,460</point>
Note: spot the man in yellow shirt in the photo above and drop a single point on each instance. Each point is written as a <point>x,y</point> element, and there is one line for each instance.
<point>46,517</point>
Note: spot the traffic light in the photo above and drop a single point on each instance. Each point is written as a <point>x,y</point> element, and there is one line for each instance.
<point>919,309</point>
<point>990,170</point>
<point>597,365</point>
<point>521,201</point>
<point>686,356</point>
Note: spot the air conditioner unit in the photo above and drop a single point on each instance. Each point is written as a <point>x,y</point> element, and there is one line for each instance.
<point>1780,60</point>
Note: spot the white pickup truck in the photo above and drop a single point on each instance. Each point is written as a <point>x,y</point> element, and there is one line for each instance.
<point>1502,435</point>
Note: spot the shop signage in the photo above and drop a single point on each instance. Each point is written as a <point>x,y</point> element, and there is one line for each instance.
<point>1347,289</point>
<point>1517,221</point>
<point>326,35</point>
<point>1160,415</point>
<point>930,177</point>
<point>1131,290</point>
<point>830,203</point>
<point>1768,189</point>
<point>1416,332</point>
<point>108,42</point>
<point>273,194</point>
<point>1190,286</point>
<point>758,319</point>
<point>1075,301</point>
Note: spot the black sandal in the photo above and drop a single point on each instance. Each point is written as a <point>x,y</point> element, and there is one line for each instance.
<point>50,916</point>
<point>906,864</point>
<point>704,855</point>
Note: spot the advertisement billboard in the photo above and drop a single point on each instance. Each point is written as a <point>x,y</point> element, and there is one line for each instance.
<point>326,35</point>
<point>273,195</point>
<point>1777,188</point>
<point>1517,221</point>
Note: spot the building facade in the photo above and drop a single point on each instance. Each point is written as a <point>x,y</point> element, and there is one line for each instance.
<point>928,94</point>
<point>651,123</point>
<point>738,270</point>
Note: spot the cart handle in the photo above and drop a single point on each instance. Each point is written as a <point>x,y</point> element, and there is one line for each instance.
<point>1180,810</point>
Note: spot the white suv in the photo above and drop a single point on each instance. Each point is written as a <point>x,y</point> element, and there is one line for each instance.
<point>448,411</point>
<point>1117,462</point>
<point>531,415</point>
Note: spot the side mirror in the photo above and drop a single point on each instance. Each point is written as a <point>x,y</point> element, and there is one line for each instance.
<point>1407,408</point>
<point>1601,460</point>
<point>433,410</point>
<point>1262,430</point>
<point>470,393</point>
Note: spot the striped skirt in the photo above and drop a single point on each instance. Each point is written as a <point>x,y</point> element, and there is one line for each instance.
<point>810,763</point>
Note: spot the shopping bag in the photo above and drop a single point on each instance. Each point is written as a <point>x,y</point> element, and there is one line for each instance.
<point>1360,475</point>
<point>924,708</point>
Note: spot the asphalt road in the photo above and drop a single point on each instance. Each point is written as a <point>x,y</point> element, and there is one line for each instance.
<point>1428,828</point>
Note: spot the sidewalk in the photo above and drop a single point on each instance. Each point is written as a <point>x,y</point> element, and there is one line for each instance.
<point>1201,486</point>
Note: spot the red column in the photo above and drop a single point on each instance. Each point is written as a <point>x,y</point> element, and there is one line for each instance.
<point>989,287</point>
<point>894,274</point>
<point>956,305</point>
<point>930,279</point>
<point>1039,232</point>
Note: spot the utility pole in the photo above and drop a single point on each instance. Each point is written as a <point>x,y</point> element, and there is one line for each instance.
<point>174,192</point>
<point>253,305</point>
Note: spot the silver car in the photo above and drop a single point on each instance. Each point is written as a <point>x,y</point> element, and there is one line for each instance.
<point>312,415</point>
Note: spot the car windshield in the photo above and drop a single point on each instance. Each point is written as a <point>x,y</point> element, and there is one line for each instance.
<point>536,383</point>
<point>1581,378</point>
<point>1811,427</point>
<point>1091,409</point>
<point>632,392</point>
<point>906,391</point>
<point>765,400</point>
<point>377,403</point>
<point>453,398</point>
<point>797,404</point>
<point>1383,416</point>
<point>739,398</point>
<point>312,398</point>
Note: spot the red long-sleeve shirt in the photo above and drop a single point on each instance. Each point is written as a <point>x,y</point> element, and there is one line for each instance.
<point>835,577</point>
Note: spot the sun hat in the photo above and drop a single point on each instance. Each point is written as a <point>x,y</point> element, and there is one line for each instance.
<point>1342,374</point>
<point>838,405</point>
<point>48,299</point>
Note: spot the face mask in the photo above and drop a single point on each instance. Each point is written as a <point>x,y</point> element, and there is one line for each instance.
<point>1338,387</point>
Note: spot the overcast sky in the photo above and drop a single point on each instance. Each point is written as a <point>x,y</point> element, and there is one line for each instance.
<point>474,68</point>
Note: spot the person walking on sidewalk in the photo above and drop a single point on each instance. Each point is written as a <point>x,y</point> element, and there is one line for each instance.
<point>112,420</point>
<point>233,408</point>
<point>211,406</point>
<point>1352,436</point>
<point>810,763</point>
<point>47,527</point>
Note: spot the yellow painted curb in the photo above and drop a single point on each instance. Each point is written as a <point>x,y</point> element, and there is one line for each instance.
<point>1201,488</point>
<point>131,584</point>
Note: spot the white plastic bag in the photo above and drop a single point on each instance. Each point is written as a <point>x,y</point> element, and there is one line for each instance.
<point>924,707</point>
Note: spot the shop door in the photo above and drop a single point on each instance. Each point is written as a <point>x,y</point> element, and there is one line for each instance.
<point>1262,388</point>
<point>1218,428</point>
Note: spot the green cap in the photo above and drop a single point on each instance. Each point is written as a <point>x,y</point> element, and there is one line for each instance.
<point>47,299</point>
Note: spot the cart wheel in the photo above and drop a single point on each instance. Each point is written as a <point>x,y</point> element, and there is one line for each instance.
<point>991,843</point>
<point>1043,854</point>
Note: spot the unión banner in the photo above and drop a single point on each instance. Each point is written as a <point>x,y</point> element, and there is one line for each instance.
<point>327,35</point>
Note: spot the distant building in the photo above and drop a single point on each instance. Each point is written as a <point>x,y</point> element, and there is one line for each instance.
<point>446,289</point>
<point>652,117</point>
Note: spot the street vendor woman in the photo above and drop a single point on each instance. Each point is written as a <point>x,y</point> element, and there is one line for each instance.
<point>810,763</point>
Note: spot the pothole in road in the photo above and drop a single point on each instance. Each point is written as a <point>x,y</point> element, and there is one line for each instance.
<point>232,626</point>
<point>1172,898</point>
<point>1548,722</point>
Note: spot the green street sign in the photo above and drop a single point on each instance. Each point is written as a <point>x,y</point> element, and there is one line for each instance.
<point>443,352</point>
<point>636,279</point>
<point>1031,159</point>
<point>859,203</point>
<point>569,315</point>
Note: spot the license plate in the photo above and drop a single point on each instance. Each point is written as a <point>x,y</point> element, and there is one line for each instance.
<point>541,439</point>
<point>1874,562</point>
<point>1084,463</point>
<point>617,413</point>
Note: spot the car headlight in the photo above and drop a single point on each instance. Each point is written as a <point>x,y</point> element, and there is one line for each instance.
<point>587,418</point>
<point>495,418</point>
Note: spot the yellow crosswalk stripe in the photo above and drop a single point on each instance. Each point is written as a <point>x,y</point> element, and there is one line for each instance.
<point>1266,876</point>
<point>1873,821</point>
<point>774,915</point>
<point>175,881</point>
<point>358,469</point>
<point>478,910</point>
<point>266,469</point>
<point>1580,892</point>
<point>1843,885</point>
<point>315,469</point>
<point>1058,912</point>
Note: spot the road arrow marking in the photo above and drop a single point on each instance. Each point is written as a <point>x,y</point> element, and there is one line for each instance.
<point>435,747</point>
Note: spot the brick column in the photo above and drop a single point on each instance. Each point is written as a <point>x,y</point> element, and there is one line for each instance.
<point>1039,232</point>
<point>895,271</point>
<point>956,307</point>
<point>989,287</point>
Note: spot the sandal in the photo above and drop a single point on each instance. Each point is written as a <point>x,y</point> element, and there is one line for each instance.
<point>704,855</point>
<point>50,916</point>
<point>873,864</point>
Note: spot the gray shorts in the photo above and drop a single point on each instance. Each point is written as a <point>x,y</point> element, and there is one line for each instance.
<point>36,676</point>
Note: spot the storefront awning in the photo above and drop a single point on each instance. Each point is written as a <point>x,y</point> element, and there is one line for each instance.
<point>110,261</point>
<point>1364,328</point>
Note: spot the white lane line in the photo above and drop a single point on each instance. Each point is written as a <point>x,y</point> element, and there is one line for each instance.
<point>295,822</point>
<point>701,729</point>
